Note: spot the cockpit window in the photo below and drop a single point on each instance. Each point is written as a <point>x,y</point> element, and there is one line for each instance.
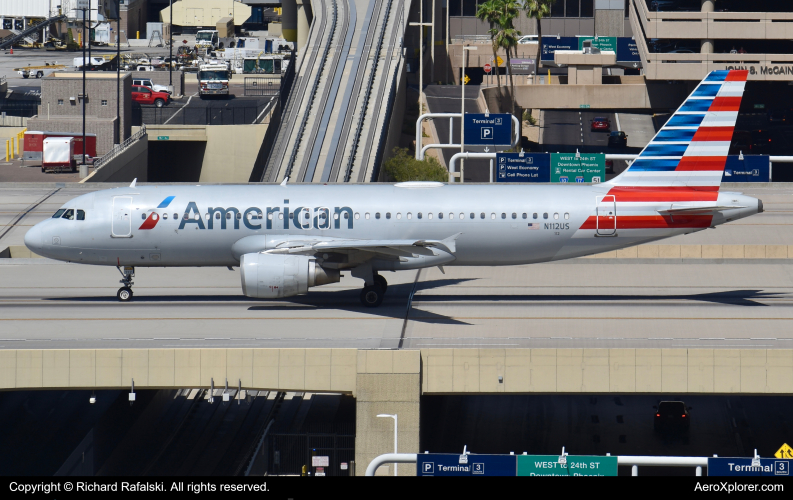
<point>69,214</point>
<point>59,213</point>
<point>80,214</point>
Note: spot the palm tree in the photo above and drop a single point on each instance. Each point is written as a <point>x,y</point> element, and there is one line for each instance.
<point>490,12</point>
<point>538,9</point>
<point>507,38</point>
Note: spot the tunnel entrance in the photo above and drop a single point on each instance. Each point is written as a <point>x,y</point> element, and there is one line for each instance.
<point>175,161</point>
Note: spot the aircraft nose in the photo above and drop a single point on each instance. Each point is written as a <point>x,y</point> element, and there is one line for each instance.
<point>33,239</point>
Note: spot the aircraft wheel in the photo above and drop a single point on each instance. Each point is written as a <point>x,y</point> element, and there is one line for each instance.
<point>372,296</point>
<point>124,294</point>
<point>381,282</point>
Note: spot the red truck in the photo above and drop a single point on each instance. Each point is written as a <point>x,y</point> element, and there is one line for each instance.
<point>34,143</point>
<point>145,95</point>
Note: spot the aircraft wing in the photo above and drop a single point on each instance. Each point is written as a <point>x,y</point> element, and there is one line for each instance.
<point>390,248</point>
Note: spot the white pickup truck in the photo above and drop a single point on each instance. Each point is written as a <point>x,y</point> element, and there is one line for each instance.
<point>146,82</point>
<point>39,71</point>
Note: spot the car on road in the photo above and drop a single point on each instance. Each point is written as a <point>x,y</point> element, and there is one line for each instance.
<point>672,416</point>
<point>601,124</point>
<point>527,39</point>
<point>145,95</point>
<point>618,139</point>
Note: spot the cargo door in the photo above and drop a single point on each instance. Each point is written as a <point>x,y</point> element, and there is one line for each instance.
<point>122,217</point>
<point>607,216</point>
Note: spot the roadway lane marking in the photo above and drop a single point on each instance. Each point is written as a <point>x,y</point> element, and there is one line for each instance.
<point>266,107</point>
<point>180,109</point>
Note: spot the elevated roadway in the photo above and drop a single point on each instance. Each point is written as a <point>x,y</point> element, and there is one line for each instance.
<point>335,121</point>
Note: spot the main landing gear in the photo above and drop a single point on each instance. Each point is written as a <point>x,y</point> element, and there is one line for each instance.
<point>372,296</point>
<point>124,293</point>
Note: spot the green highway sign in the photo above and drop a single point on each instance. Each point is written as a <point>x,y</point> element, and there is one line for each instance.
<point>584,106</point>
<point>604,43</point>
<point>567,167</point>
<point>163,137</point>
<point>549,465</point>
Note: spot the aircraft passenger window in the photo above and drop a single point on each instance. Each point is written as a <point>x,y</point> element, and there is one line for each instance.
<point>239,215</point>
<point>308,216</point>
<point>514,215</point>
<point>556,216</point>
<point>388,215</point>
<point>346,215</point>
<point>69,214</point>
<point>451,215</point>
<point>399,215</point>
<point>59,213</point>
<point>472,215</point>
<point>419,215</point>
<point>525,215</point>
<point>292,215</point>
<point>377,215</point>
<point>143,216</point>
<point>357,215</point>
<point>217,215</point>
<point>280,216</point>
<point>440,215</point>
<point>410,215</point>
<point>429,215</point>
<point>492,216</point>
<point>566,216</point>
<point>534,216</point>
<point>206,216</point>
<point>165,216</point>
<point>367,215</point>
<point>80,214</point>
<point>462,216</point>
<point>545,215</point>
<point>503,215</point>
<point>335,216</point>
<point>175,216</point>
<point>196,216</point>
<point>228,215</point>
<point>482,215</point>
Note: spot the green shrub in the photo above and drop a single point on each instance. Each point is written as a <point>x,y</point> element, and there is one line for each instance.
<point>404,167</point>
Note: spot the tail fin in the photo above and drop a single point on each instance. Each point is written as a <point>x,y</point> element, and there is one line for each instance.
<point>690,150</point>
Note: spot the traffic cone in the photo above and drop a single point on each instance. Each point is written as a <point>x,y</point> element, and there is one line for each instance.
<point>12,51</point>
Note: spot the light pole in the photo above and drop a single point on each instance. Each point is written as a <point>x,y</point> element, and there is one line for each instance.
<point>394,416</point>
<point>118,73</point>
<point>462,111</point>
<point>421,57</point>
<point>432,50</point>
<point>84,64</point>
<point>170,47</point>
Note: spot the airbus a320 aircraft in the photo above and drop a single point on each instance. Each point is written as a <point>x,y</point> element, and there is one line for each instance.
<point>288,238</point>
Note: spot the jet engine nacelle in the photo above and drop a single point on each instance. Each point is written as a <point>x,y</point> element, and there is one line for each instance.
<point>273,276</point>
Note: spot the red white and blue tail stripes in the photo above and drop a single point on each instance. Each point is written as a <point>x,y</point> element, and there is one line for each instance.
<point>691,148</point>
<point>681,168</point>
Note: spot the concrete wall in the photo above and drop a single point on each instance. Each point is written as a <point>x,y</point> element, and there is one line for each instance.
<point>387,382</point>
<point>133,163</point>
<point>651,371</point>
<point>231,152</point>
<point>624,96</point>
<point>133,19</point>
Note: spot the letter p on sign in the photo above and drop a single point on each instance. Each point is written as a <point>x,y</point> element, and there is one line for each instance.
<point>487,133</point>
<point>429,468</point>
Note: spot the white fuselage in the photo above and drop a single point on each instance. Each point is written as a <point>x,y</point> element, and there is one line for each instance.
<point>497,225</point>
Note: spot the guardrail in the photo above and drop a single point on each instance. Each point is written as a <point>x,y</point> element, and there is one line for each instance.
<point>119,148</point>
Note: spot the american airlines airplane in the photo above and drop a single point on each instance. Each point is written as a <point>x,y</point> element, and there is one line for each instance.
<point>288,238</point>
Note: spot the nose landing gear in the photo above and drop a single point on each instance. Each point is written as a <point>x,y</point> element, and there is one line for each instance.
<point>124,293</point>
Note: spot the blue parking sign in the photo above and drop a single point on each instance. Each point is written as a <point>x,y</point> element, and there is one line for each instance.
<point>492,129</point>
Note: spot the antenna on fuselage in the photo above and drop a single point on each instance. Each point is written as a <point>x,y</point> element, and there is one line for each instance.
<point>133,182</point>
<point>283,182</point>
